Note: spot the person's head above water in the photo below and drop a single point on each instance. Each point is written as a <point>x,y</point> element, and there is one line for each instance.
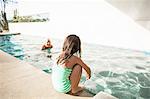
<point>48,41</point>
<point>72,44</point>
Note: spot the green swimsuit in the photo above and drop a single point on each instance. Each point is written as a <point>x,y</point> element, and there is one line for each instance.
<point>60,78</point>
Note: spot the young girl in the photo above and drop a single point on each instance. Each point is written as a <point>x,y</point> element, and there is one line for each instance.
<point>66,74</point>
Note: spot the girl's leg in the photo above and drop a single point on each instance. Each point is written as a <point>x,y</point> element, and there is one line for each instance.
<point>75,79</point>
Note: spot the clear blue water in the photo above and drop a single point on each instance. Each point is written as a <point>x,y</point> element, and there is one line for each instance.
<point>120,72</point>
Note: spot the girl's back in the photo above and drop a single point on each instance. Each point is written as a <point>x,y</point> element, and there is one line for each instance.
<point>60,78</point>
<point>61,75</point>
<point>70,63</point>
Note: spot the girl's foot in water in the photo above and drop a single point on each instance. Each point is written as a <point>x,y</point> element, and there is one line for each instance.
<point>77,91</point>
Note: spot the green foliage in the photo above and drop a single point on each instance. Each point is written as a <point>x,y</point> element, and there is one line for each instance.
<point>28,19</point>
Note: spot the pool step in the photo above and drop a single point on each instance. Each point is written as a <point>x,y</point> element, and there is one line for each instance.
<point>103,95</point>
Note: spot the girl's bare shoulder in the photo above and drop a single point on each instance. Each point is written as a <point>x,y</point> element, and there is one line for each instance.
<point>73,57</point>
<point>75,60</point>
<point>70,62</point>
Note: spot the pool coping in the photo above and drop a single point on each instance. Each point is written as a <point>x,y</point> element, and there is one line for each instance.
<point>20,80</point>
<point>8,33</point>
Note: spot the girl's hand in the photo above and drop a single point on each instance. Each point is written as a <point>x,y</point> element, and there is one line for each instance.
<point>88,76</point>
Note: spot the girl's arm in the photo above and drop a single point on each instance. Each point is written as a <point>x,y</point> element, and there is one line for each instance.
<point>84,66</point>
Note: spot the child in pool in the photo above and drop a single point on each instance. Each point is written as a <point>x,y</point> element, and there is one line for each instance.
<point>47,45</point>
<point>66,74</point>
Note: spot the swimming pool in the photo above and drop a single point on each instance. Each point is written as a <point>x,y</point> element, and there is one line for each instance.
<point>120,72</point>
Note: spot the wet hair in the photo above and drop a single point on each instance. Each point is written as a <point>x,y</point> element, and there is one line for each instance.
<point>72,45</point>
<point>48,39</point>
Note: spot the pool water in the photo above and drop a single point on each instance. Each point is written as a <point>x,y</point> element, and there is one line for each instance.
<point>123,73</point>
<point>7,46</point>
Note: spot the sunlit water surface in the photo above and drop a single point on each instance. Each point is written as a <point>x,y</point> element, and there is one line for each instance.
<point>120,72</point>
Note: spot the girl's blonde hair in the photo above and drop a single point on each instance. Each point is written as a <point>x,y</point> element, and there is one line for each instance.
<point>72,44</point>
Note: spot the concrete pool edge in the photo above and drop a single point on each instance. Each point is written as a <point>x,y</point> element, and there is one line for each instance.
<point>22,80</point>
<point>8,33</point>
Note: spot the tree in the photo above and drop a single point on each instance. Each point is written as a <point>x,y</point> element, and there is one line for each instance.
<point>3,18</point>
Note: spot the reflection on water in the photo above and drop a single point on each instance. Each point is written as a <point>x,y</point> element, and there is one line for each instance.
<point>120,72</point>
<point>7,45</point>
<point>128,85</point>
